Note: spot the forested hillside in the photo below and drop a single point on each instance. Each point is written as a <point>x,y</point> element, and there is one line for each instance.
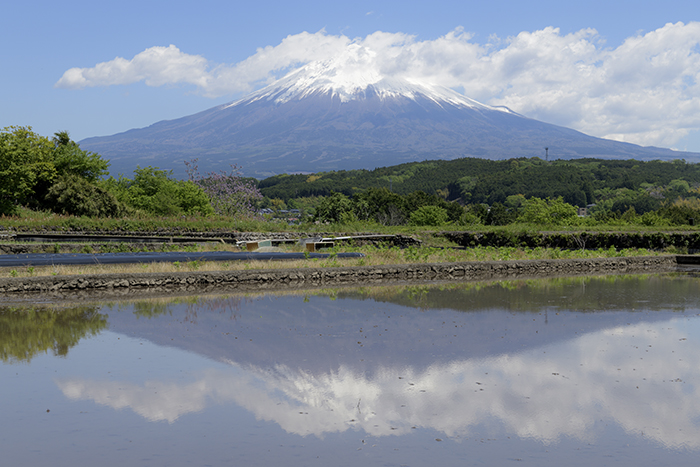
<point>479,181</point>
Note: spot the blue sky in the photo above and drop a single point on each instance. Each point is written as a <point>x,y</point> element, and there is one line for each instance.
<point>628,70</point>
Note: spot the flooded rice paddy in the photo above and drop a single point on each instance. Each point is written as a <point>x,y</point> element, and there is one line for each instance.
<point>566,371</point>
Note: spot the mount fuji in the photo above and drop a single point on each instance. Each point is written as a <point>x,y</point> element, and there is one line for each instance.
<point>343,114</point>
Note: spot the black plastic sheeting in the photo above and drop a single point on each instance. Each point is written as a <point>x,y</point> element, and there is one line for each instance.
<point>42,259</point>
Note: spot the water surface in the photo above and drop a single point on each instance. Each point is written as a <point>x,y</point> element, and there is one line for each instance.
<point>582,371</point>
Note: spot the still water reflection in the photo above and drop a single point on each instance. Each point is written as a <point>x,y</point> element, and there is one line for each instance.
<point>545,372</point>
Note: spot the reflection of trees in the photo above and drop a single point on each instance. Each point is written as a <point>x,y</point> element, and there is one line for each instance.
<point>28,332</point>
<point>153,308</point>
<point>580,293</point>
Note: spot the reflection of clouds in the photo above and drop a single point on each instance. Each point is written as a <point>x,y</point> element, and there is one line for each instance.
<point>154,401</point>
<point>643,379</point>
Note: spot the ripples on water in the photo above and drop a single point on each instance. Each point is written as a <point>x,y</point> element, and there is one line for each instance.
<point>569,371</point>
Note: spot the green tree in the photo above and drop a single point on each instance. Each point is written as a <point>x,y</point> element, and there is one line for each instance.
<point>25,160</point>
<point>500,215</point>
<point>429,215</point>
<point>681,211</point>
<point>334,208</point>
<point>155,191</point>
<point>548,212</point>
<point>71,194</point>
<point>70,159</point>
<point>381,205</point>
<point>30,165</point>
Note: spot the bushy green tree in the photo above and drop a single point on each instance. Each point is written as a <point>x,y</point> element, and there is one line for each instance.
<point>382,206</point>
<point>26,159</point>
<point>678,187</point>
<point>499,214</point>
<point>682,212</point>
<point>70,159</point>
<point>388,208</point>
<point>71,194</point>
<point>548,212</point>
<point>334,208</point>
<point>155,191</point>
<point>429,215</point>
<point>31,165</point>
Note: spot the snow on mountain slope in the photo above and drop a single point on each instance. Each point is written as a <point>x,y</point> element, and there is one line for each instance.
<point>353,75</point>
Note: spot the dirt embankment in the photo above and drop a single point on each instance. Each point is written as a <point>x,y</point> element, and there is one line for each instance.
<point>115,285</point>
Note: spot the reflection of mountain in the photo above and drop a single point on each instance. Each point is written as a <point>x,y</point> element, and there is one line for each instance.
<point>246,378</point>
<point>373,330</point>
<point>624,374</point>
<point>26,333</point>
<point>517,357</point>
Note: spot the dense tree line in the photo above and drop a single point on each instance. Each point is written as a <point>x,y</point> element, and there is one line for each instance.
<point>428,176</point>
<point>476,191</point>
<point>54,174</point>
<point>384,207</point>
<point>469,180</point>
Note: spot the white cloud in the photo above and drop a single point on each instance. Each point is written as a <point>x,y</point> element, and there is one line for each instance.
<point>658,397</point>
<point>645,91</point>
<point>156,66</point>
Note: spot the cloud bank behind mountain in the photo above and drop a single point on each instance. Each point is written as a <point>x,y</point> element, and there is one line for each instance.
<point>644,91</point>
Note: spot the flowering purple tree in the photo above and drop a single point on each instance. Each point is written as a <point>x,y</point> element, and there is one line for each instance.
<point>229,193</point>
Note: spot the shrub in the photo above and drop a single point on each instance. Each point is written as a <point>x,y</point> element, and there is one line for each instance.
<point>429,215</point>
<point>71,194</point>
<point>469,218</point>
<point>548,212</point>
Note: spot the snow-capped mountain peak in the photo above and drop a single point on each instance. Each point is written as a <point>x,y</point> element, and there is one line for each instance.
<point>353,75</point>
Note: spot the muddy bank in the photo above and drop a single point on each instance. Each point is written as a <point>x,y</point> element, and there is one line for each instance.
<point>116,285</point>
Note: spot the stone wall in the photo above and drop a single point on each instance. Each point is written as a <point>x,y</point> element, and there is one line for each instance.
<point>206,282</point>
